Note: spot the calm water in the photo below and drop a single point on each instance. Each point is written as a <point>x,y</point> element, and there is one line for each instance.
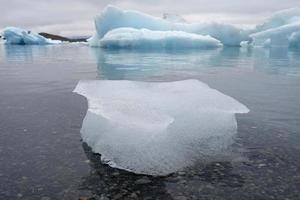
<point>42,156</point>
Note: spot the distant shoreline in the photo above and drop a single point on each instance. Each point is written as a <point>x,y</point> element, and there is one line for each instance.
<point>61,38</point>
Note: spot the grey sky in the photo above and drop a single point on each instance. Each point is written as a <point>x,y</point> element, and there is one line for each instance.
<point>75,17</point>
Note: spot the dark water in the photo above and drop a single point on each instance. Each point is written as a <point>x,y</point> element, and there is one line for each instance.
<point>42,156</point>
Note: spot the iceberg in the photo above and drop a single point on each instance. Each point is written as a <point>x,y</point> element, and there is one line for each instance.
<point>15,35</point>
<point>147,39</point>
<point>113,18</point>
<point>294,39</point>
<point>280,36</point>
<point>281,29</point>
<point>157,128</point>
<point>280,18</point>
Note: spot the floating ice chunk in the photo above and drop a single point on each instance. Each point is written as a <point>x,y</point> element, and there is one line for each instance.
<point>280,18</point>
<point>246,44</point>
<point>277,36</point>
<point>279,30</point>
<point>112,18</point>
<point>156,128</point>
<point>146,39</point>
<point>15,35</point>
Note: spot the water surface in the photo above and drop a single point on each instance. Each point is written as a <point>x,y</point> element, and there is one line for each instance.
<point>42,156</point>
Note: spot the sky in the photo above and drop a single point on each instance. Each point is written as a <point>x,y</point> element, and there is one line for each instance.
<point>76,17</point>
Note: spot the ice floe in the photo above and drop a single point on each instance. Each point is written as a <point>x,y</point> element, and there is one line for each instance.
<point>157,128</point>
<point>14,35</point>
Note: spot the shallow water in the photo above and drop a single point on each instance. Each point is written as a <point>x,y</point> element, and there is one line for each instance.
<point>41,152</point>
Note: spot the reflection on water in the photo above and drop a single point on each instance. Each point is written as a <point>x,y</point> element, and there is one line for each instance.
<point>133,64</point>
<point>121,64</point>
<point>40,119</point>
<point>117,65</point>
<point>34,54</point>
<point>280,61</point>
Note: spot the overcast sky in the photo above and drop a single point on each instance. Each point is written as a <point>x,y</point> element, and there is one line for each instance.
<point>75,17</point>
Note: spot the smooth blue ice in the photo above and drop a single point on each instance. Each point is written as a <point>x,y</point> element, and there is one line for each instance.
<point>113,17</point>
<point>20,36</point>
<point>157,128</point>
<point>146,39</point>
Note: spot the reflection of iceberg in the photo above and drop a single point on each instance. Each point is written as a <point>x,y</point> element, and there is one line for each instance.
<point>113,18</point>
<point>172,65</point>
<point>151,64</point>
<point>15,35</point>
<point>28,53</point>
<point>156,128</point>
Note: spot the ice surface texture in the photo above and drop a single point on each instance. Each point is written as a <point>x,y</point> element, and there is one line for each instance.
<point>281,29</point>
<point>156,128</point>
<point>112,18</point>
<point>15,35</point>
<point>146,39</point>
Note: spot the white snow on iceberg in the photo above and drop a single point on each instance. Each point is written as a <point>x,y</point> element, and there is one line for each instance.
<point>15,35</point>
<point>112,18</point>
<point>146,39</point>
<point>156,128</point>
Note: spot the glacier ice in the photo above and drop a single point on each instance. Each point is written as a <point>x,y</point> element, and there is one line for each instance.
<point>294,39</point>
<point>15,35</point>
<point>113,17</point>
<point>146,39</point>
<point>279,36</point>
<point>280,18</point>
<point>281,29</point>
<point>156,128</point>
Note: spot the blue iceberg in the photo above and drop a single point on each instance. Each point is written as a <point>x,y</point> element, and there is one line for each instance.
<point>20,36</point>
<point>113,18</point>
<point>146,39</point>
<point>281,29</point>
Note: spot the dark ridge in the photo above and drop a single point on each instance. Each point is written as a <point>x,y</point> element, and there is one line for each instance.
<point>61,38</point>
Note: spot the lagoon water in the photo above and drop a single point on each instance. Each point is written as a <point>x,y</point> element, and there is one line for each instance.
<point>42,155</point>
